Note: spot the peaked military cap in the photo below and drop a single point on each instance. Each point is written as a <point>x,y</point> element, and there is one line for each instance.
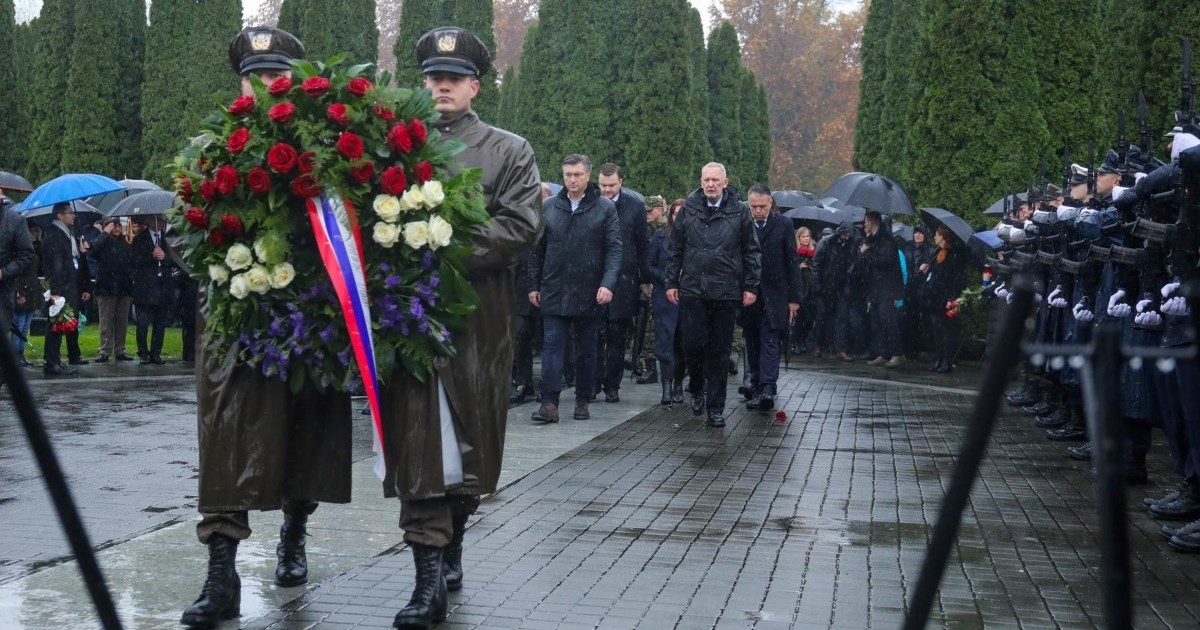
<point>453,49</point>
<point>1111,164</point>
<point>263,48</point>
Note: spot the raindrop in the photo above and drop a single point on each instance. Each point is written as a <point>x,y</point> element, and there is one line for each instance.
<point>1135,363</point>
<point>1077,362</point>
<point>1057,363</point>
<point>1166,364</point>
<point>1038,359</point>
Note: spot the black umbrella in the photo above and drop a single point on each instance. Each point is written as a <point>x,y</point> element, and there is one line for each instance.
<point>788,199</point>
<point>151,202</point>
<point>814,216</point>
<point>903,231</point>
<point>12,181</point>
<point>855,214</point>
<point>871,191</point>
<point>933,217</point>
<point>1014,202</point>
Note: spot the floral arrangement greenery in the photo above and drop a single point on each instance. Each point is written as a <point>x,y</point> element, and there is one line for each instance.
<point>328,132</point>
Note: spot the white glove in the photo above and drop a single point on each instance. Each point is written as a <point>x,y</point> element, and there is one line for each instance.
<point>1037,298</point>
<point>1145,317</point>
<point>1008,297</point>
<point>1082,314</point>
<point>1168,289</point>
<point>1056,299</point>
<point>1137,177</point>
<point>1115,307</point>
<point>1175,306</point>
<point>1001,291</point>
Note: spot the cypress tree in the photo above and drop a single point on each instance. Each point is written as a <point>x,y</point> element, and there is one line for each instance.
<point>344,27</point>
<point>24,43</point>
<point>725,82</point>
<point>616,68</point>
<point>1121,66</point>
<point>761,138</point>
<point>8,97</point>
<point>900,87</point>
<point>1066,65</point>
<point>1170,21</point>
<point>868,127</point>
<point>89,142</point>
<point>56,27</point>
<point>416,18</point>
<point>289,16</point>
<point>128,160</point>
<point>700,152</point>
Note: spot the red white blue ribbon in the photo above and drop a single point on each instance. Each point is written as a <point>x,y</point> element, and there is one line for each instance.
<point>339,240</point>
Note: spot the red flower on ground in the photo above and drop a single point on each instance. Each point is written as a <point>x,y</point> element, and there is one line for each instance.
<point>393,181</point>
<point>417,130</point>
<point>363,172</point>
<point>282,113</point>
<point>384,113</point>
<point>307,161</point>
<point>350,145</point>
<point>337,113</point>
<point>423,172</point>
<point>358,86</point>
<point>279,86</point>
<point>315,86</point>
<point>208,191</point>
<point>231,224</point>
<point>237,140</point>
<point>780,416</point>
<point>259,180</point>
<point>197,218</point>
<point>399,139</point>
<point>306,186</point>
<point>243,106</point>
<point>226,179</point>
<point>281,158</point>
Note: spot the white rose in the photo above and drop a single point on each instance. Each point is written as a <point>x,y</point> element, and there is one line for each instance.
<point>432,193</point>
<point>412,199</point>
<point>282,275</point>
<point>239,257</point>
<point>238,287</point>
<point>386,234</point>
<point>416,234</point>
<point>387,207</point>
<point>218,274</point>
<point>440,232</point>
<point>258,279</point>
<point>260,250</point>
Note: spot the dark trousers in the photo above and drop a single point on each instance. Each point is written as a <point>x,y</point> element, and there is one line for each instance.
<point>1179,409</point>
<point>675,369</point>
<point>946,331</point>
<point>522,367</point>
<point>610,353</point>
<point>156,316</point>
<point>53,350</point>
<point>762,351</point>
<point>431,521</point>
<point>707,341</point>
<point>885,329</point>
<point>583,331</point>
<point>236,525</point>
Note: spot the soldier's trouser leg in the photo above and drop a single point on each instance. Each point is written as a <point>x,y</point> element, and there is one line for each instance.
<point>236,525</point>
<point>1187,374</point>
<point>430,522</point>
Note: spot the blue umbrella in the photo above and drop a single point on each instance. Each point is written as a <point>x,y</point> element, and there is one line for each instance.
<point>68,187</point>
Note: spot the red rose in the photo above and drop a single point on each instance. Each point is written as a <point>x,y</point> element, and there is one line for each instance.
<point>399,139</point>
<point>384,112</point>
<point>363,172</point>
<point>259,180</point>
<point>226,179</point>
<point>282,113</point>
<point>281,158</point>
<point>183,188</point>
<point>337,113</point>
<point>238,140</point>
<point>306,186</point>
<point>306,161</point>
<point>423,172</point>
<point>417,130</point>
<point>242,106</point>
<point>231,224</point>
<point>216,237</point>
<point>208,191</point>
<point>350,145</point>
<point>279,86</point>
<point>197,218</point>
<point>315,86</point>
<point>358,86</point>
<point>393,180</point>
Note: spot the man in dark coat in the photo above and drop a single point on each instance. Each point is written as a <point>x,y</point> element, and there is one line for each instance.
<point>634,278</point>
<point>572,273</point>
<point>714,267</point>
<point>778,301</point>
<point>831,264</point>
<point>16,256</point>
<point>879,266</point>
<point>66,271</point>
<point>114,288</point>
<point>153,288</point>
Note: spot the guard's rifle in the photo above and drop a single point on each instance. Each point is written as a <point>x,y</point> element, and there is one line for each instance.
<point>1091,168</point>
<point>1125,256</point>
<point>1145,135</point>
<point>1122,143</point>
<point>1066,167</point>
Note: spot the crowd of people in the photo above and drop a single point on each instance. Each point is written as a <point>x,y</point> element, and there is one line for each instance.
<point>113,272</point>
<point>700,268</point>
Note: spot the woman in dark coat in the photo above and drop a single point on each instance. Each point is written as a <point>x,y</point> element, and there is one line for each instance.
<point>803,325</point>
<point>943,285</point>
<point>915,318</point>
<point>668,343</point>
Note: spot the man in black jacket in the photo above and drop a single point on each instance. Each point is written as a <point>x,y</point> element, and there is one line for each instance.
<point>778,301</point>
<point>618,316</point>
<point>572,273</point>
<point>153,288</point>
<point>714,266</point>
<point>114,286</point>
<point>16,255</point>
<point>879,265</point>
<point>66,271</point>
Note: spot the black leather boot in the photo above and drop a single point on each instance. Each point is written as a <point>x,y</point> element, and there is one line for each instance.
<point>677,392</point>
<point>221,597</point>
<point>452,556</point>
<point>292,568</point>
<point>650,373</point>
<point>1027,397</point>
<point>427,606</point>
<point>667,386</point>
<point>1054,419</point>
<point>1184,507</point>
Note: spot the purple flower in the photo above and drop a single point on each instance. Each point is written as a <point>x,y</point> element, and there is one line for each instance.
<point>427,261</point>
<point>343,357</point>
<point>385,268</point>
<point>415,310</point>
<point>326,334</point>
<point>392,282</point>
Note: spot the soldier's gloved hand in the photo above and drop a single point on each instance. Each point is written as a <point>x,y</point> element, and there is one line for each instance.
<point>1056,299</point>
<point>1146,316</point>
<point>1002,291</point>
<point>1173,304</point>
<point>1082,313</point>
<point>1037,298</point>
<point>1169,288</point>
<point>1008,296</point>
<point>1116,308</point>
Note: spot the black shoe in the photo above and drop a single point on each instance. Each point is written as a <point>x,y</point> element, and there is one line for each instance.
<point>58,369</point>
<point>677,393</point>
<point>1186,538</point>
<point>611,396</point>
<point>667,386</point>
<point>1042,408</point>
<point>78,361</point>
<point>1185,507</point>
<point>581,411</point>
<point>764,399</point>
<point>292,567</point>
<point>1017,392</point>
<point>156,360</point>
<point>1171,496</point>
<point>649,375</point>
<point>221,597</point>
<point>427,606</point>
<point>945,368</point>
<point>1053,420</point>
<point>697,404</point>
<point>103,358</point>
<point>935,366</point>
<point>124,357</point>
<point>520,395</point>
<point>23,362</point>
<point>1030,397</point>
<point>715,419</point>
<point>1068,433</point>
<point>1081,453</point>
<point>452,556</point>
<point>746,391</point>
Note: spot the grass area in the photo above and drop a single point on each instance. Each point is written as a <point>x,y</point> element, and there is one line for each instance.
<point>89,342</point>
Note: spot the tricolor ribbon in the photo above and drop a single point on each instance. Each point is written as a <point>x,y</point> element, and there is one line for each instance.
<point>339,240</point>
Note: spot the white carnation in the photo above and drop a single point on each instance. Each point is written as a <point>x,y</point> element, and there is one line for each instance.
<point>386,234</point>
<point>258,279</point>
<point>282,275</point>
<point>416,234</point>
<point>239,257</point>
<point>412,199</point>
<point>440,232</point>
<point>432,193</point>
<point>218,273</point>
<point>387,207</point>
<point>238,287</point>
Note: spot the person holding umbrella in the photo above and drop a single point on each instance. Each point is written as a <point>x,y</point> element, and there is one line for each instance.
<point>153,288</point>
<point>879,266</point>
<point>943,284</point>
<point>114,288</point>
